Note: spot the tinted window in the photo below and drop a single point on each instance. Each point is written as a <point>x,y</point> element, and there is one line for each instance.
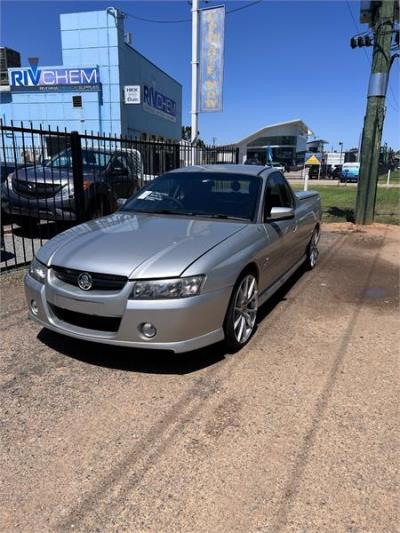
<point>90,159</point>
<point>277,194</point>
<point>203,194</point>
<point>120,161</point>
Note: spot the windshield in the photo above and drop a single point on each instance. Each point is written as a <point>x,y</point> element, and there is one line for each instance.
<point>216,195</point>
<point>91,159</point>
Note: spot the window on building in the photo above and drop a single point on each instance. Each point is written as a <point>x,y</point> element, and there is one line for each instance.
<point>77,101</point>
<point>280,140</point>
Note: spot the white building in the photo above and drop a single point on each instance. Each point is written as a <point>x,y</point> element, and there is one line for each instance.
<point>285,141</point>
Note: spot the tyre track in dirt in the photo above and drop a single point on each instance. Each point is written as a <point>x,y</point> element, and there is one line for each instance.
<point>176,417</point>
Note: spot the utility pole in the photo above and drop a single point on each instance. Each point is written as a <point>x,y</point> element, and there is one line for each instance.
<point>195,77</point>
<point>383,22</point>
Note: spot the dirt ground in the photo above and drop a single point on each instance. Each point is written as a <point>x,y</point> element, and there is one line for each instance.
<point>298,432</point>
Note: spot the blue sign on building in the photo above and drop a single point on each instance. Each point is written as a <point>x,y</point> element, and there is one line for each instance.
<point>157,103</point>
<point>53,79</point>
<point>97,65</point>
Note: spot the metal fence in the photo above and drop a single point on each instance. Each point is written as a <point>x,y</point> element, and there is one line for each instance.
<point>52,179</point>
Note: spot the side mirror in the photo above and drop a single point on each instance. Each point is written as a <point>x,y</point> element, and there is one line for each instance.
<point>119,171</point>
<point>280,213</point>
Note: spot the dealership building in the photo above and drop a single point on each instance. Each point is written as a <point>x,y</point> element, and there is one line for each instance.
<point>285,142</point>
<point>103,85</point>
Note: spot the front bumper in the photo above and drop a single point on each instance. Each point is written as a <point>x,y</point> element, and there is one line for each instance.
<point>182,325</point>
<point>56,208</point>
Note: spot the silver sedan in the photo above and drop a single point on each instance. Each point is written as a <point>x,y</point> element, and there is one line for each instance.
<point>185,263</point>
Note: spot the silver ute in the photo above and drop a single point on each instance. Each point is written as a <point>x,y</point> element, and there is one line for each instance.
<point>186,262</point>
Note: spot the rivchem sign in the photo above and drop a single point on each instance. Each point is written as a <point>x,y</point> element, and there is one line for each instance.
<point>158,104</point>
<point>211,58</point>
<point>53,78</point>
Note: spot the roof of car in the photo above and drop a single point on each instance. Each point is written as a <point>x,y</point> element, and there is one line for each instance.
<point>250,170</point>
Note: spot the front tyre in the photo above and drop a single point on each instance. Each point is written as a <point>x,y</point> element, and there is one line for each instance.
<point>312,250</point>
<point>241,316</point>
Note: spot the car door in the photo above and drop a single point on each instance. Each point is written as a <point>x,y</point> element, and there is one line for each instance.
<point>278,257</point>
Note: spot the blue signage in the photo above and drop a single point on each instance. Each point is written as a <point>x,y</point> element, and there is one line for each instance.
<point>211,58</point>
<point>53,79</point>
<point>158,104</point>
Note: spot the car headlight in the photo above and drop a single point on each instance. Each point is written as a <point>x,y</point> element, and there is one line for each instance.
<point>160,289</point>
<point>38,270</point>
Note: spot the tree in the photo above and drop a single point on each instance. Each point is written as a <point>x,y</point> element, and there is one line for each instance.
<point>187,136</point>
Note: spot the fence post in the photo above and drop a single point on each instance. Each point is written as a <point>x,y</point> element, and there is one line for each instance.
<point>388,178</point>
<point>76,154</point>
<point>177,155</point>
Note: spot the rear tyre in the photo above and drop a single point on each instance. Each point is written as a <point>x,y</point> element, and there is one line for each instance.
<point>240,320</point>
<point>312,250</point>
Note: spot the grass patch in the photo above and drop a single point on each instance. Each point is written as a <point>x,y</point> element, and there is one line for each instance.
<point>338,203</point>
<point>394,177</point>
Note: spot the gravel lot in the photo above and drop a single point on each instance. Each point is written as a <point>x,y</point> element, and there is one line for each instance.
<point>298,432</point>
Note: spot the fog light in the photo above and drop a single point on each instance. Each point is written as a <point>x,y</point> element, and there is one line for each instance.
<point>34,307</point>
<point>148,330</point>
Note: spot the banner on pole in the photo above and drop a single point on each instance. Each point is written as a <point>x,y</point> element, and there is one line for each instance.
<point>212,22</point>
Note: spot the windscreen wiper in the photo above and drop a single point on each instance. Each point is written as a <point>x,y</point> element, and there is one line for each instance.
<point>192,214</point>
<point>222,216</point>
<point>168,212</point>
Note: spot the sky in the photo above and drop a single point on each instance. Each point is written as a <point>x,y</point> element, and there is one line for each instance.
<point>283,60</point>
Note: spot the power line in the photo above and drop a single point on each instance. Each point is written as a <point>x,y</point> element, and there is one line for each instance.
<point>396,109</point>
<point>243,7</point>
<point>357,30</point>
<point>178,21</point>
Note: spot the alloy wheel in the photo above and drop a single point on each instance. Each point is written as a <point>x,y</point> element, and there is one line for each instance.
<point>245,308</point>
<point>313,251</point>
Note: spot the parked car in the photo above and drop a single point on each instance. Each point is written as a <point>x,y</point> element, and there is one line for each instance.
<point>6,167</point>
<point>252,161</point>
<point>337,172</point>
<point>350,172</point>
<point>276,166</point>
<point>185,263</point>
<point>47,191</point>
<point>326,172</point>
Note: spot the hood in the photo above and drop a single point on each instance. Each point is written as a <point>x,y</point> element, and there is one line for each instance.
<point>42,174</point>
<point>139,246</point>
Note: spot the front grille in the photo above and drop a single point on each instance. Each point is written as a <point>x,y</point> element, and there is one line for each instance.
<point>33,189</point>
<point>101,282</point>
<point>82,320</point>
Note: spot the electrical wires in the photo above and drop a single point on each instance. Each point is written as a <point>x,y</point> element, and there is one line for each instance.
<point>396,109</point>
<point>178,21</point>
